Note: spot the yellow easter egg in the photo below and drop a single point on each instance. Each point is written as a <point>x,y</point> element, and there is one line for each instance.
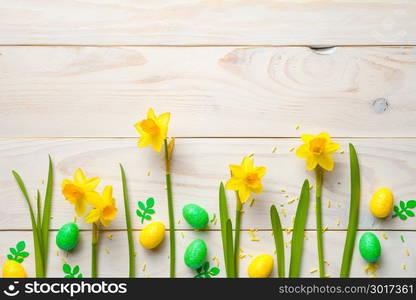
<point>381,203</point>
<point>12,269</point>
<point>261,266</point>
<point>152,235</point>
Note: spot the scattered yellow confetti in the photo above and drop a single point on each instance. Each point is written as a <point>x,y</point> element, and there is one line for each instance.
<point>283,212</point>
<point>197,230</point>
<point>372,268</point>
<point>250,255</point>
<point>286,195</point>
<point>325,229</point>
<point>305,235</point>
<point>253,235</point>
<point>338,222</point>
<point>326,262</point>
<point>297,127</point>
<point>329,203</point>
<point>216,260</point>
<point>215,221</point>
<point>293,219</point>
<point>287,230</point>
<point>250,155</point>
<point>75,219</point>
<point>291,200</point>
<point>252,202</point>
<point>274,252</point>
<point>241,250</point>
<point>341,152</point>
<point>149,173</point>
<point>384,236</point>
<point>242,256</point>
<point>51,217</point>
<point>242,211</point>
<point>107,250</point>
<point>64,260</point>
<point>57,253</point>
<point>407,252</point>
<point>339,204</point>
<point>282,190</point>
<point>310,186</point>
<point>291,149</point>
<point>403,266</point>
<point>182,234</point>
<point>144,267</point>
<point>274,149</point>
<point>313,271</point>
<point>110,236</point>
<point>179,221</point>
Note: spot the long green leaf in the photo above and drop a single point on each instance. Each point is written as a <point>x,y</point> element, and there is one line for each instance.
<point>38,223</point>
<point>38,254</point>
<point>223,221</point>
<point>46,216</point>
<point>354,213</point>
<point>299,231</point>
<point>278,240</point>
<point>132,268</point>
<point>230,252</point>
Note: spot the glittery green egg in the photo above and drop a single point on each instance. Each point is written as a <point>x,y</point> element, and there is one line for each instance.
<point>370,247</point>
<point>195,215</point>
<point>67,237</point>
<point>195,254</point>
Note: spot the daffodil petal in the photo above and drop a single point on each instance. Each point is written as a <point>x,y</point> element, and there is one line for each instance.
<point>332,147</point>
<point>303,151</point>
<point>236,171</point>
<point>243,193</point>
<point>311,163</point>
<point>144,141</point>
<point>94,199</point>
<point>247,164</point>
<point>233,184</point>
<point>139,128</point>
<point>65,182</point>
<point>92,183</point>
<point>326,161</point>
<point>108,195</point>
<point>92,216</point>
<point>258,189</point>
<point>79,177</point>
<point>261,171</point>
<point>151,114</point>
<point>163,119</point>
<point>157,143</point>
<point>105,223</point>
<point>324,135</point>
<point>80,207</point>
<point>306,138</point>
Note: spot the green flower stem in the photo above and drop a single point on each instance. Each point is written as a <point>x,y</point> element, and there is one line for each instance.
<point>238,208</point>
<point>132,262</point>
<point>94,250</point>
<point>319,234</point>
<point>170,208</point>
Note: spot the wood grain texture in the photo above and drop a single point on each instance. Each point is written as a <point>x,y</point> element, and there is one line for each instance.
<point>198,166</point>
<point>211,92</point>
<point>113,254</point>
<point>196,22</point>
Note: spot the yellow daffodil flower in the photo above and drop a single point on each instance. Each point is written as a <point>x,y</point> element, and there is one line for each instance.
<point>153,130</point>
<point>104,207</point>
<point>246,179</point>
<point>317,151</point>
<point>79,190</point>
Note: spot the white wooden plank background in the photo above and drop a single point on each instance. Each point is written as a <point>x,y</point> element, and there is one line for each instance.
<point>237,76</point>
<point>196,22</point>
<point>215,92</point>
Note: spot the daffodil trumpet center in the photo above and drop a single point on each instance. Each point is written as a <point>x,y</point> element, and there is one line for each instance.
<point>150,127</point>
<point>71,191</point>
<point>252,179</point>
<point>317,146</point>
<point>109,212</point>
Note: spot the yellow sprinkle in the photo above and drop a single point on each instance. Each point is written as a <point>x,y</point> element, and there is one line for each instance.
<point>282,190</point>
<point>283,212</point>
<point>313,271</point>
<point>287,230</point>
<point>325,229</point>
<point>286,195</point>
<point>242,211</point>
<point>196,230</point>
<point>384,236</point>
<point>242,256</point>
<point>297,127</point>
<point>57,253</point>
<point>338,222</point>
<point>182,234</point>
<point>134,253</point>
<point>407,252</point>
<point>372,268</point>
<point>293,219</point>
<point>250,255</point>
<point>215,221</point>
<point>144,267</point>
<point>306,236</point>
<point>274,252</point>
<point>327,276</point>
<point>329,203</point>
<point>252,202</point>
<point>341,152</point>
<point>241,250</point>
<point>274,149</point>
<point>110,236</point>
<point>403,266</point>
<point>310,186</point>
<point>250,155</point>
<point>75,219</point>
<point>107,250</point>
<point>216,260</point>
<point>291,200</point>
<point>149,173</point>
<point>291,149</point>
<point>51,217</point>
<point>326,262</point>
<point>179,221</point>
<point>64,260</point>
<point>255,239</point>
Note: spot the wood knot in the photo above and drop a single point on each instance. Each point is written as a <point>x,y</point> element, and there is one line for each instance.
<point>380,105</point>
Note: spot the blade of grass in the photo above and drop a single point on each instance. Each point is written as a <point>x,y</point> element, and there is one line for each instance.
<point>318,212</point>
<point>238,208</point>
<point>278,240</point>
<point>223,220</point>
<point>132,268</point>
<point>354,213</point>
<point>46,217</point>
<point>38,254</point>
<point>299,231</point>
<point>230,252</point>
<point>39,224</point>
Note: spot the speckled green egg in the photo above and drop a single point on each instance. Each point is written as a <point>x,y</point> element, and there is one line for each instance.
<point>195,215</point>
<point>195,254</point>
<point>370,247</point>
<point>67,237</point>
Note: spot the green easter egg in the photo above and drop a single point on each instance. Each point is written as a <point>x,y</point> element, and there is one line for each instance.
<point>195,215</point>
<point>67,237</point>
<point>195,254</point>
<point>370,247</point>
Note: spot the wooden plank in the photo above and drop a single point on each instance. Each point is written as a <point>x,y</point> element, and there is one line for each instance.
<point>113,254</point>
<point>211,92</point>
<point>198,167</point>
<point>178,22</point>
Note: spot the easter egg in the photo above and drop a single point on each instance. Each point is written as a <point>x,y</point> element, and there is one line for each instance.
<point>370,247</point>
<point>381,203</point>
<point>195,215</point>
<point>67,237</point>
<point>261,266</point>
<point>152,235</point>
<point>12,269</point>
<point>195,254</point>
